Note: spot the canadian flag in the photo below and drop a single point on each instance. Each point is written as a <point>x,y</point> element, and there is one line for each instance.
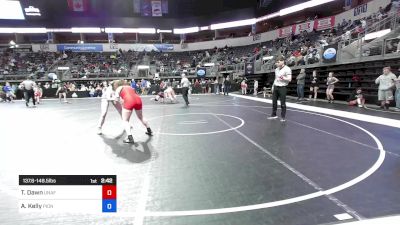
<point>78,5</point>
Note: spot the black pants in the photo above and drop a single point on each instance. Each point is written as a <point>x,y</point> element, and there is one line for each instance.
<point>226,90</point>
<point>28,94</point>
<point>279,92</point>
<point>185,92</point>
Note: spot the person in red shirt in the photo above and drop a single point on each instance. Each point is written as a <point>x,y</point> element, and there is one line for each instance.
<point>130,101</point>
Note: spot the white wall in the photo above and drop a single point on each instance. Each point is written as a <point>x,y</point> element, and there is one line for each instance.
<point>372,7</point>
<point>242,41</point>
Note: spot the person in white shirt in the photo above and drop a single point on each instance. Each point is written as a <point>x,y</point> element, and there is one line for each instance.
<point>386,83</point>
<point>255,87</point>
<point>27,86</point>
<point>283,75</point>
<point>106,98</point>
<point>185,88</point>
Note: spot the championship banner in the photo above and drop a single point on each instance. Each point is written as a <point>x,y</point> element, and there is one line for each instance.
<point>330,53</point>
<point>286,31</point>
<point>146,8</point>
<point>164,6</point>
<point>360,9</point>
<point>164,47</point>
<point>249,69</point>
<point>325,23</point>
<point>156,9</point>
<point>307,26</point>
<point>80,48</point>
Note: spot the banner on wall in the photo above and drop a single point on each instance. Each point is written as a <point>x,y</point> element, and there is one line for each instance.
<point>164,47</point>
<point>249,69</point>
<point>307,26</point>
<point>201,72</point>
<point>145,8</point>
<point>330,53</point>
<point>286,31</point>
<point>80,48</point>
<point>156,9</point>
<point>362,9</point>
<point>347,4</point>
<point>44,47</point>
<point>50,37</point>
<point>324,23</point>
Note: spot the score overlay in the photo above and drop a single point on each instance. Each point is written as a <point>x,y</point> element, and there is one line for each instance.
<point>67,193</point>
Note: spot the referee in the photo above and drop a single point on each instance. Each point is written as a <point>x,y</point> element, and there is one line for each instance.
<point>185,88</point>
<point>27,85</point>
<point>283,75</point>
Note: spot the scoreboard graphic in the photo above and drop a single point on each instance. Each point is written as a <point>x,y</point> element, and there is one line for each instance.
<point>67,193</point>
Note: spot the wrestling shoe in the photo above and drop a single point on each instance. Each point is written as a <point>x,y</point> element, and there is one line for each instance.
<point>149,132</point>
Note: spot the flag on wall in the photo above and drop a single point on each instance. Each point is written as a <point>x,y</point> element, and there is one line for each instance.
<point>136,6</point>
<point>156,8</point>
<point>78,5</point>
<point>164,5</point>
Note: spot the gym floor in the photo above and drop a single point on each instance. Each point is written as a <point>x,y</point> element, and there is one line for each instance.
<point>219,161</point>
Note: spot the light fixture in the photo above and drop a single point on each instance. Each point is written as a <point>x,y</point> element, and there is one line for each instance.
<point>302,6</point>
<point>237,23</point>
<point>59,30</point>
<point>85,30</point>
<point>186,30</point>
<point>119,30</point>
<point>164,31</point>
<point>12,42</point>
<point>267,17</point>
<point>21,30</point>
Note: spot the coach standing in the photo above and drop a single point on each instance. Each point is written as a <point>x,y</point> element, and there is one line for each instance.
<point>185,88</point>
<point>283,75</point>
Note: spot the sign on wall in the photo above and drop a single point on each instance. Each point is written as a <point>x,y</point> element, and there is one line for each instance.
<point>286,31</point>
<point>249,69</point>
<point>330,53</point>
<point>80,48</point>
<point>324,23</point>
<point>362,9</point>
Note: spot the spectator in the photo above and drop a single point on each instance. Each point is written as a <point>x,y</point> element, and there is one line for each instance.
<point>203,86</point>
<point>300,84</point>
<point>9,95</point>
<point>357,98</point>
<point>243,86</point>
<point>386,85</point>
<point>255,87</point>
<point>330,83</point>
<point>216,86</point>
<point>227,85</point>
<point>397,82</point>
<point>314,85</point>
<point>91,91</point>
